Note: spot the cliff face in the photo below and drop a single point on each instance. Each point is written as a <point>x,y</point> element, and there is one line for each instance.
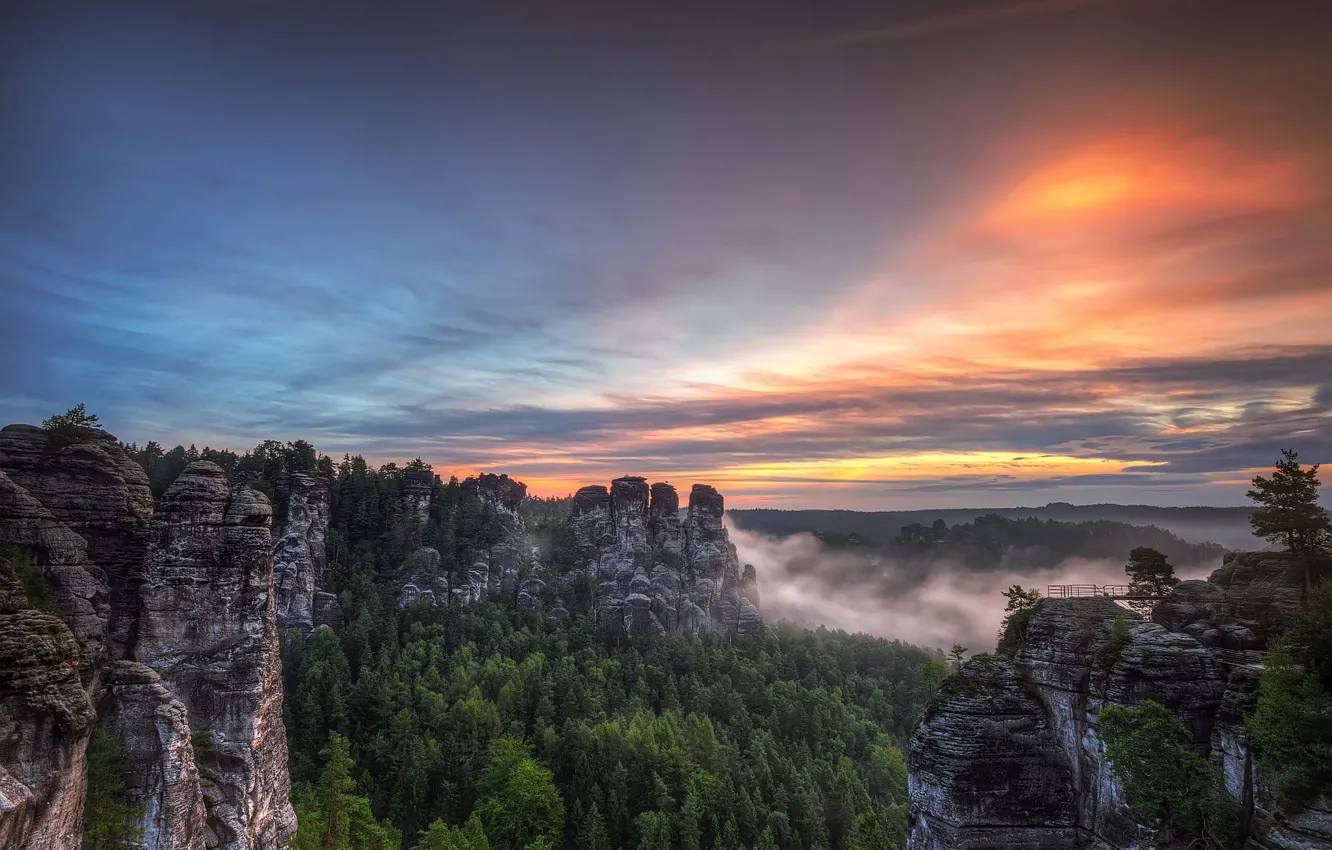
<point>498,497</point>
<point>656,571</point>
<point>209,628</point>
<point>300,547</point>
<point>101,494</point>
<point>166,624</point>
<point>45,721</point>
<point>1008,754</point>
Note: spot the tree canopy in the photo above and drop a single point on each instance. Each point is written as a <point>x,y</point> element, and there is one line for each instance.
<point>1150,574</point>
<point>1288,512</point>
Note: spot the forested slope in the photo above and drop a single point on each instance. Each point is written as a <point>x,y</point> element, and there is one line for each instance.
<point>496,725</point>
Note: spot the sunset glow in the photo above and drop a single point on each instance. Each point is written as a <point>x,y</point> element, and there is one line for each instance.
<point>1078,255</point>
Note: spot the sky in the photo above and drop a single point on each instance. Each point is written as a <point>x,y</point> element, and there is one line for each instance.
<point>920,254</point>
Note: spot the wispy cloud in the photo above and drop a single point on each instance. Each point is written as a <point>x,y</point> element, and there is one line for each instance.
<point>952,22</point>
<point>1026,258</point>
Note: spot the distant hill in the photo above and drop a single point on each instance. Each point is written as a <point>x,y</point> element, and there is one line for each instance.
<point>1228,527</point>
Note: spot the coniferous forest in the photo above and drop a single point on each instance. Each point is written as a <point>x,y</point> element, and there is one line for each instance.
<point>494,726</point>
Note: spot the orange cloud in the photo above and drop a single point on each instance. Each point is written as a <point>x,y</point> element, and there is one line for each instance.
<point>1143,173</point>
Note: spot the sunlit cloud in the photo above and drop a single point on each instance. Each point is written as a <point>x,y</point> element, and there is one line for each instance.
<point>1034,264</point>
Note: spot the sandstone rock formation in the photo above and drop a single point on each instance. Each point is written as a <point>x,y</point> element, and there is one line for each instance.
<point>1008,754</point>
<point>498,497</point>
<point>300,547</point>
<point>208,626</point>
<point>99,493</point>
<point>161,774</point>
<point>416,486</point>
<point>77,584</point>
<point>45,721</point>
<point>657,572</point>
<point>491,501</point>
<point>171,635</point>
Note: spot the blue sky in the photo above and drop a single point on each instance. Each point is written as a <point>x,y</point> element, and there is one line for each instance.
<point>868,257</point>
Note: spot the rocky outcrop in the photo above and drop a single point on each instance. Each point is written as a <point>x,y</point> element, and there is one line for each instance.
<point>101,494</point>
<point>490,503</point>
<point>45,722</point>
<point>988,771</point>
<point>208,627</point>
<point>78,585</point>
<point>657,572</point>
<point>300,540</point>
<point>166,625</point>
<point>161,776</point>
<point>416,487</point>
<point>1008,754</point>
<point>328,610</point>
<point>498,497</point>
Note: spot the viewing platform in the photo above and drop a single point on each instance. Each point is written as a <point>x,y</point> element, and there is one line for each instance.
<point>1108,591</point>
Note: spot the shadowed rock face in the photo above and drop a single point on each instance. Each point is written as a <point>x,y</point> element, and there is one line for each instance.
<point>665,502</point>
<point>101,494</point>
<point>161,775</point>
<point>209,628</point>
<point>77,584</point>
<point>416,486</point>
<point>300,541</point>
<point>45,721</point>
<point>172,636</point>
<point>1008,754</point>
<point>499,491</point>
<point>657,572</point>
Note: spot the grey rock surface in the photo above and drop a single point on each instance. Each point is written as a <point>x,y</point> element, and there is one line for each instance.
<point>1008,754</point>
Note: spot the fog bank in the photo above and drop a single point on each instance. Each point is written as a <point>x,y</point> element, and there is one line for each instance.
<point>932,602</point>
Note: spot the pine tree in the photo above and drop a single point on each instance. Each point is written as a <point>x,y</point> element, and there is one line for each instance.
<point>108,825</point>
<point>1150,575</point>
<point>1288,511</point>
<point>654,831</point>
<point>592,831</point>
<point>73,421</point>
<point>958,653</point>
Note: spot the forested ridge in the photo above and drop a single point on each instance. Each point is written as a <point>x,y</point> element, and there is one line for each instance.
<point>495,726</point>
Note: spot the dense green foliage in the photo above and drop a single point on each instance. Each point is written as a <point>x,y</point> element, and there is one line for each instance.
<point>497,727</point>
<point>1288,511</point>
<point>107,824</point>
<point>796,732</point>
<point>1291,724</point>
<point>265,460</point>
<point>331,816</point>
<point>1166,781</point>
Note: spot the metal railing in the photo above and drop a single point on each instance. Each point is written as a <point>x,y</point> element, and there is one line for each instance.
<point>1088,591</point>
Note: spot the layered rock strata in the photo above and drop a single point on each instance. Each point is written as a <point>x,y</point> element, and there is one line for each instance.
<point>208,627</point>
<point>300,547</point>
<point>166,625</point>
<point>656,571</point>
<point>45,722</point>
<point>1008,754</point>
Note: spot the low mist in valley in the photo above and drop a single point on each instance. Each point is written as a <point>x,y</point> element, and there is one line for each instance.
<point>929,599</point>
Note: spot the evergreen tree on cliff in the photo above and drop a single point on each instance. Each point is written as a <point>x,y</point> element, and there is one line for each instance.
<point>1288,511</point>
<point>1150,575</point>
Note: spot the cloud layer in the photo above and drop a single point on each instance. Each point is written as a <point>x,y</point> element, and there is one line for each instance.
<point>1038,250</point>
